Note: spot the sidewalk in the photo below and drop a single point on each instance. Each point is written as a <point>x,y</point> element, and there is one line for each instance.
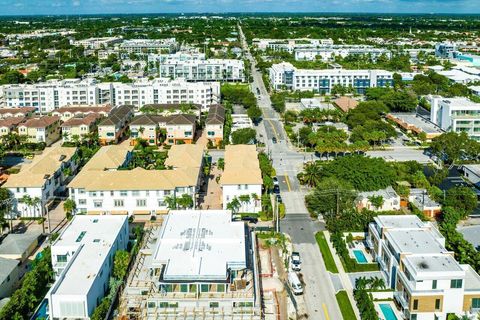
<point>347,285</point>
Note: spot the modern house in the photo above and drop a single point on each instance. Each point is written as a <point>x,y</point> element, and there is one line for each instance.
<point>79,127</point>
<point>388,199</point>
<point>472,173</point>
<point>420,199</point>
<point>285,75</point>
<point>214,124</point>
<point>45,129</point>
<point>82,260</point>
<point>200,264</point>
<point>111,129</point>
<point>428,282</point>
<point>105,186</point>
<point>242,178</point>
<point>41,180</point>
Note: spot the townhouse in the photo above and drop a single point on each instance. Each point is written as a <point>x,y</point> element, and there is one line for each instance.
<point>104,186</point>
<point>428,282</point>
<point>112,128</point>
<point>285,76</point>
<point>44,129</point>
<point>420,198</point>
<point>214,124</point>
<point>82,261</point>
<point>200,265</point>
<point>10,125</point>
<point>179,128</point>
<point>52,94</point>
<point>79,127</point>
<point>42,179</point>
<point>242,178</point>
<point>17,112</point>
<point>195,67</point>
<point>67,112</point>
<point>456,114</point>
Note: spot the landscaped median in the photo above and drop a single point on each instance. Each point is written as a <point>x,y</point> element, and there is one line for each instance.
<point>326,253</point>
<point>345,306</point>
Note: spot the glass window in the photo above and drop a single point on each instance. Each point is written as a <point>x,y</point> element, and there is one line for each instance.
<point>434,284</point>
<point>437,304</point>
<point>135,193</point>
<point>97,204</point>
<point>141,203</point>
<point>184,288</point>
<point>476,303</point>
<point>123,193</point>
<point>413,317</point>
<point>220,287</point>
<point>163,304</point>
<point>204,288</point>
<point>214,304</point>
<point>118,203</point>
<point>63,258</point>
<point>456,283</point>
<point>151,304</point>
<point>415,304</point>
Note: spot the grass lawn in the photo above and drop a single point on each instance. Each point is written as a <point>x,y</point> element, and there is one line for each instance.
<point>345,306</point>
<point>326,254</point>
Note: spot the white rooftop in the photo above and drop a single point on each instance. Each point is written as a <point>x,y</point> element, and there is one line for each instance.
<point>419,241</point>
<point>399,222</point>
<point>92,236</point>
<point>200,245</point>
<point>439,263</point>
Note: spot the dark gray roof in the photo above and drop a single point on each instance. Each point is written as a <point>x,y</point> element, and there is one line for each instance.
<point>18,243</point>
<point>216,114</point>
<point>117,115</point>
<point>171,106</point>
<point>6,267</point>
<point>182,119</point>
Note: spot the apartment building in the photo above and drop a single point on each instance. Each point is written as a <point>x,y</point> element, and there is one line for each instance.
<point>456,114</point>
<point>17,112</point>
<point>10,125</point>
<point>329,52</point>
<point>82,260</point>
<point>242,178</point>
<point>178,127</point>
<point>97,43</point>
<point>68,112</point>
<point>104,186</point>
<point>42,179</point>
<point>214,124</point>
<point>195,67</point>
<point>428,282</point>
<point>146,46</point>
<point>446,50</point>
<point>111,129</point>
<point>285,76</point>
<point>79,127</point>
<point>202,264</point>
<point>288,45</point>
<point>44,129</point>
<point>53,94</point>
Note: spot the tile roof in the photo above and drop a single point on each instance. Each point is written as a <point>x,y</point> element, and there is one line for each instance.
<point>117,115</point>
<point>84,109</point>
<point>182,119</point>
<point>346,103</point>
<point>185,155</point>
<point>11,121</point>
<point>23,110</point>
<point>216,114</point>
<point>77,121</point>
<point>41,122</point>
<point>18,243</point>
<point>241,165</point>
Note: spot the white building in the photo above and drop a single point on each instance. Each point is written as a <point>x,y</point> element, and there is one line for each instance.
<point>329,52</point>
<point>428,282</point>
<point>446,50</point>
<point>472,173</point>
<point>456,114</point>
<point>97,43</point>
<point>104,186</point>
<point>51,95</point>
<point>41,180</point>
<point>288,45</point>
<point>285,75</point>
<point>195,67</point>
<point>145,46</point>
<point>241,121</point>
<point>201,263</point>
<point>242,178</point>
<point>82,260</point>
<point>390,200</point>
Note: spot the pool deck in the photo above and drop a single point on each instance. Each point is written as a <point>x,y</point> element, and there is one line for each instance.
<point>380,312</point>
<point>359,245</point>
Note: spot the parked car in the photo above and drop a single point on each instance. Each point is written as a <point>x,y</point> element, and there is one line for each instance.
<point>253,220</point>
<point>275,181</point>
<point>295,261</point>
<point>274,140</point>
<point>279,198</point>
<point>295,283</point>
<point>276,189</point>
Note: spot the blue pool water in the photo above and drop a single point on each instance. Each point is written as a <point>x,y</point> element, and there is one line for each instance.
<point>388,312</point>
<point>41,312</point>
<point>360,256</point>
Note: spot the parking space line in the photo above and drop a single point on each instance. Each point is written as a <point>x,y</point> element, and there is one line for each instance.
<point>325,311</point>
<point>288,182</point>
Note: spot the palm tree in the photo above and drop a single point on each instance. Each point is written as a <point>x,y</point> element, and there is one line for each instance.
<point>69,207</point>
<point>234,205</point>
<point>27,200</point>
<point>311,174</point>
<point>35,202</point>
<point>244,199</point>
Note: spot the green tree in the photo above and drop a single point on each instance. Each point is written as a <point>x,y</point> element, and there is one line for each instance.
<point>244,136</point>
<point>331,195</point>
<point>462,199</point>
<point>185,201</point>
<point>69,207</point>
<point>376,201</point>
<point>120,264</point>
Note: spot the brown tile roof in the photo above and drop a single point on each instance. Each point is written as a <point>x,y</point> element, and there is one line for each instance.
<point>77,121</point>
<point>147,120</point>
<point>11,121</point>
<point>41,122</point>
<point>345,103</point>
<point>84,109</point>
<point>182,119</point>
<point>216,114</point>
<point>23,110</point>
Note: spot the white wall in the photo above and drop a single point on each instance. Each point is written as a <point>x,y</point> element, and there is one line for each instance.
<point>232,191</point>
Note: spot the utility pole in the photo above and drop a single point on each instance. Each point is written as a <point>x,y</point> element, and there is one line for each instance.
<point>338,202</point>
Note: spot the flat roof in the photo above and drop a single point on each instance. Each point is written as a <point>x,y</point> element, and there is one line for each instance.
<point>419,241</point>
<point>92,236</point>
<point>200,245</point>
<point>475,168</point>
<point>399,221</point>
<point>432,263</point>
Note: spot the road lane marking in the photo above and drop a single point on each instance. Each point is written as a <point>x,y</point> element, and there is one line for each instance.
<point>325,311</point>
<point>288,182</point>
<point>274,130</point>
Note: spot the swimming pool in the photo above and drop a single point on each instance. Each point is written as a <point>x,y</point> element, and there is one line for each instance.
<point>41,312</point>
<point>360,256</point>
<point>387,311</point>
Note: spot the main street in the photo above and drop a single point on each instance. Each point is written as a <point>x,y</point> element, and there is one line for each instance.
<point>319,292</point>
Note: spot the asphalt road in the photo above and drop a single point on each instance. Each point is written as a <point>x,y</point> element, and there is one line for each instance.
<point>319,294</point>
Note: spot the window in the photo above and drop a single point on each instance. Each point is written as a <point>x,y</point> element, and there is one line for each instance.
<point>434,284</point>
<point>82,201</point>
<point>63,258</point>
<point>151,304</point>
<point>415,304</point>
<point>204,288</point>
<point>413,317</point>
<point>214,304</point>
<point>184,288</point>
<point>118,203</point>
<point>123,193</point>
<point>97,204</point>
<point>163,304</point>
<point>456,283</point>
<point>141,203</point>
<point>475,303</point>
<point>437,304</point>
<point>135,193</point>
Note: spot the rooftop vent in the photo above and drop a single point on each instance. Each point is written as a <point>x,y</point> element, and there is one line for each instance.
<point>423,265</point>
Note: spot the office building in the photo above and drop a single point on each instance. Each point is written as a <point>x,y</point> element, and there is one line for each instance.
<point>446,50</point>
<point>200,264</point>
<point>288,45</point>
<point>456,114</point>
<point>82,260</point>
<point>285,76</point>
<point>428,282</point>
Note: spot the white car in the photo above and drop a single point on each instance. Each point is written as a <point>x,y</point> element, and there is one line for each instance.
<point>295,261</point>
<point>295,284</point>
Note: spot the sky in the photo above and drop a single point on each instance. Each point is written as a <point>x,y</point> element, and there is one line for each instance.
<point>51,7</point>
